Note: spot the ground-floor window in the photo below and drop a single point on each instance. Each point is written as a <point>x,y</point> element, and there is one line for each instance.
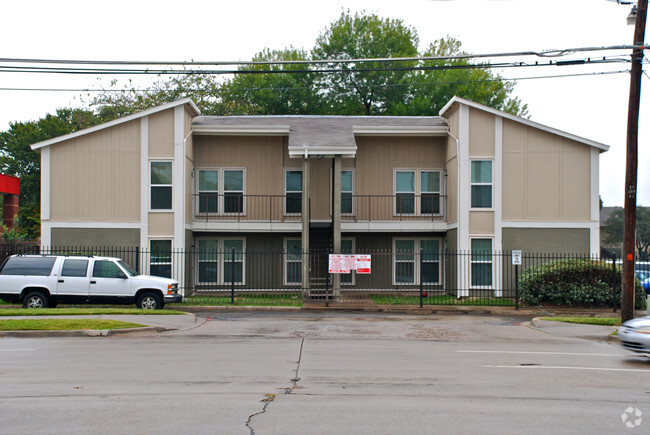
<point>409,268</point>
<point>481,262</point>
<point>216,263</point>
<point>293,261</point>
<point>160,263</point>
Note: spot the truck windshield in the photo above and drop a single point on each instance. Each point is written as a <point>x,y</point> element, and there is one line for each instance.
<point>131,271</point>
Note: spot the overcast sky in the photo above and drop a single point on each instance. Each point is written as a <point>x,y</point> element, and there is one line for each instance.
<point>594,106</point>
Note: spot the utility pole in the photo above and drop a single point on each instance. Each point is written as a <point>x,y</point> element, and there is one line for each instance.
<point>631,164</point>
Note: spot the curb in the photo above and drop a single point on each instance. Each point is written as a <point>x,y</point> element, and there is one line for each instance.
<point>602,338</point>
<point>84,332</point>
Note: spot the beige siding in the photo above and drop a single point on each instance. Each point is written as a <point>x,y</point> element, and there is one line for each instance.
<point>452,121</point>
<point>261,156</point>
<point>161,224</point>
<point>378,156</point>
<point>481,223</point>
<point>96,177</point>
<point>161,135</point>
<point>320,188</point>
<point>545,176</point>
<point>452,191</point>
<point>481,133</point>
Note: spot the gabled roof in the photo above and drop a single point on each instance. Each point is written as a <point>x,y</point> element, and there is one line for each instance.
<point>457,101</point>
<point>321,134</point>
<point>118,121</point>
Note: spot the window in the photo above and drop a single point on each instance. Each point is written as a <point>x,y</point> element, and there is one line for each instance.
<point>429,192</point>
<point>293,261</point>
<point>481,183</point>
<point>107,269</point>
<point>216,264</point>
<point>405,192</point>
<point>417,192</point>
<point>31,266</point>
<point>208,191</point>
<point>481,261</point>
<point>233,191</point>
<point>221,191</point>
<point>347,190</point>
<point>74,268</point>
<point>347,247</point>
<point>161,186</point>
<point>408,268</point>
<point>161,258</point>
<point>293,192</point>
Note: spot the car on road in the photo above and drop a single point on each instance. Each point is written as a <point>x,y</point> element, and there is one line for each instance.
<point>41,281</point>
<point>634,335</point>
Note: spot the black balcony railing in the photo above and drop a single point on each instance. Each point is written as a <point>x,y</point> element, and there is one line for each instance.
<point>287,208</point>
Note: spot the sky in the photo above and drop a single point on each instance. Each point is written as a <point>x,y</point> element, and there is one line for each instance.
<point>594,106</point>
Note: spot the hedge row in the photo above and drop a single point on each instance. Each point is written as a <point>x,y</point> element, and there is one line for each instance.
<point>573,283</point>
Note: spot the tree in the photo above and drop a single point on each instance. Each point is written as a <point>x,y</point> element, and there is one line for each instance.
<point>18,159</point>
<point>366,88</point>
<point>291,93</point>
<point>614,231</point>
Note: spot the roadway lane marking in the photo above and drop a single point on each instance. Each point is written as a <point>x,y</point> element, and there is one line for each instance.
<point>566,368</point>
<point>522,352</point>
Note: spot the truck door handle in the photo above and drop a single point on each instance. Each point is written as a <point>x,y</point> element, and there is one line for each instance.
<point>61,280</point>
<point>93,282</point>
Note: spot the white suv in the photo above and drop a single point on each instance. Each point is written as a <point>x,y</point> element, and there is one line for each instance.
<point>40,281</point>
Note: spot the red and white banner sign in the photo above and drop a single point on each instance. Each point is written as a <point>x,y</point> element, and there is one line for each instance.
<point>342,263</point>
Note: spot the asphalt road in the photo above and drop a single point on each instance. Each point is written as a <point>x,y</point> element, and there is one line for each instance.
<point>324,373</point>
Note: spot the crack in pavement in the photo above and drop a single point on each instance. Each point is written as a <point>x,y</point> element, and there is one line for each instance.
<point>270,397</point>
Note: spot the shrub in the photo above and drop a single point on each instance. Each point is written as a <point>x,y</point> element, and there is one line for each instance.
<point>573,283</point>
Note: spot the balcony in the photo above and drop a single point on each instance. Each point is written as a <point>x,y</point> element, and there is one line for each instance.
<point>236,207</point>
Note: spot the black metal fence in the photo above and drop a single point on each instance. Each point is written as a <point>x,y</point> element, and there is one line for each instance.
<point>478,278</point>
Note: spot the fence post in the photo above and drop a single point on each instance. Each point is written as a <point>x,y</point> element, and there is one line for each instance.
<point>614,302</point>
<point>137,259</point>
<point>421,285</point>
<point>232,277</point>
<point>516,286</point>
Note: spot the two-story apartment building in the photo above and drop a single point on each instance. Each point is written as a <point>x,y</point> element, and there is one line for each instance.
<point>473,179</point>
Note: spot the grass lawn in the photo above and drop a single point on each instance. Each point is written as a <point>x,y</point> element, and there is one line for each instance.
<point>80,311</point>
<point>269,299</point>
<point>439,300</point>
<point>605,321</point>
<point>63,324</point>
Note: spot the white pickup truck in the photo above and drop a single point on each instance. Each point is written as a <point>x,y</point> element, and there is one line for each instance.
<point>41,281</point>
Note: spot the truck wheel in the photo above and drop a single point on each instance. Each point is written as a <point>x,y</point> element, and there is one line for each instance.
<point>35,300</point>
<point>149,301</point>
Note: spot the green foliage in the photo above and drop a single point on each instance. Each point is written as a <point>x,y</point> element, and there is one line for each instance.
<point>12,235</point>
<point>573,283</point>
<point>613,233</point>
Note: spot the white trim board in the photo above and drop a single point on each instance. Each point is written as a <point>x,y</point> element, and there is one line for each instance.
<point>119,121</point>
<point>464,102</point>
<point>548,224</point>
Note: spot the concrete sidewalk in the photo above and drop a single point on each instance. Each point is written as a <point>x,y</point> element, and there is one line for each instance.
<point>575,330</point>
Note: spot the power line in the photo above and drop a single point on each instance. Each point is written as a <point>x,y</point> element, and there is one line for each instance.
<point>304,87</point>
<point>543,53</point>
<point>104,71</point>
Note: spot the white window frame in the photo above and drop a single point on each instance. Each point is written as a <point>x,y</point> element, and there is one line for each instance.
<point>472,262</point>
<point>284,183</point>
<point>417,193</point>
<point>171,255</point>
<point>491,184</point>
<point>171,186</point>
<point>221,260</point>
<point>285,261</point>
<point>221,191</point>
<point>416,267</point>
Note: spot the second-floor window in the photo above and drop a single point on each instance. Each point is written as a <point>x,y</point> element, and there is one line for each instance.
<point>293,192</point>
<point>161,185</point>
<point>481,183</point>
<point>221,191</point>
<point>417,191</point>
